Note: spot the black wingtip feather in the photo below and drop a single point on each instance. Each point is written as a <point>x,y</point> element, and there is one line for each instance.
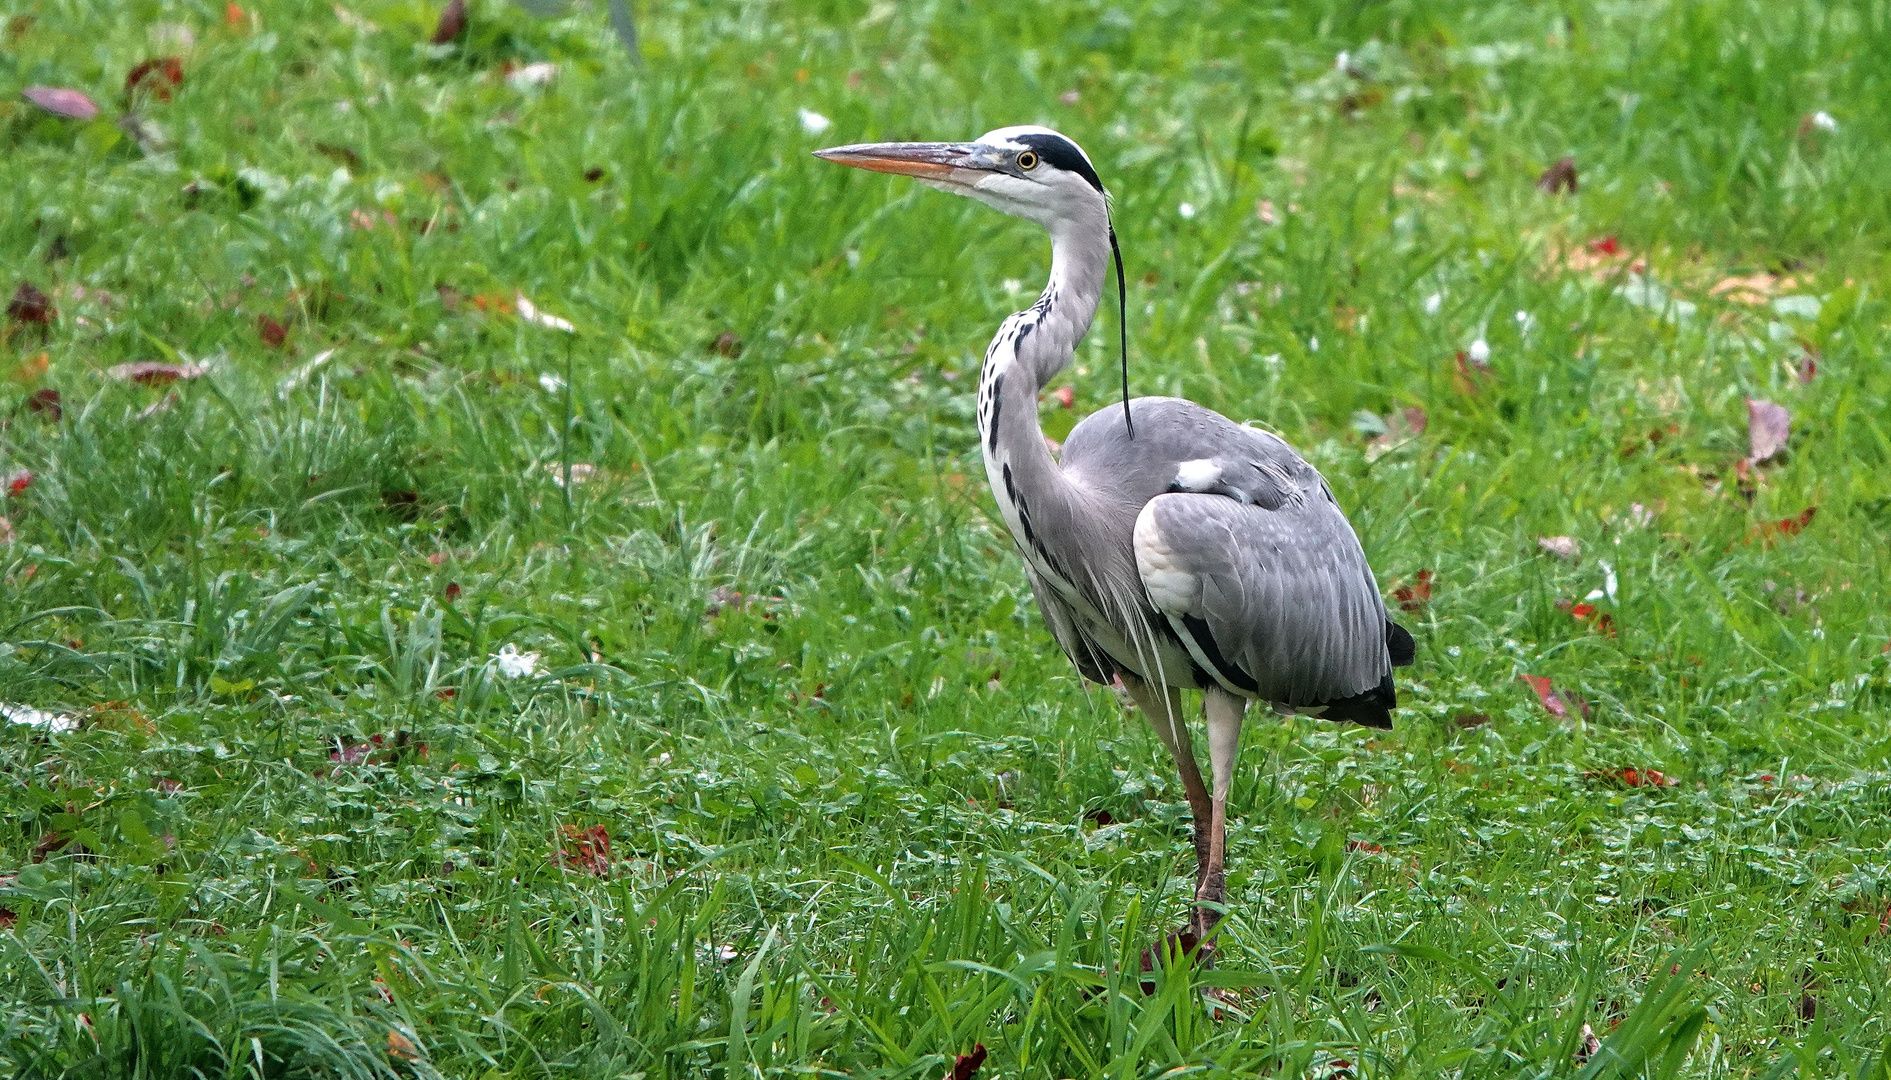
<point>1398,642</point>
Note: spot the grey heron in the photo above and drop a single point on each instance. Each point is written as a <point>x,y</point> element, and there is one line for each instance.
<point>1168,547</point>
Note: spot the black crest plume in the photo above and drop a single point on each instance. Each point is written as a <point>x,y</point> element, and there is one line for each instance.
<point>1122,326</point>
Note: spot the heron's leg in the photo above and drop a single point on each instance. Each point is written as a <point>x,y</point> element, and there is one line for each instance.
<point>1164,711</point>
<point>1224,711</point>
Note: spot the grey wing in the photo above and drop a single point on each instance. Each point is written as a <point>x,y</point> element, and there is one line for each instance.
<point>1276,604</point>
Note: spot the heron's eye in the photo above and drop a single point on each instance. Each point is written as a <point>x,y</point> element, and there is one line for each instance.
<point>1027,160</point>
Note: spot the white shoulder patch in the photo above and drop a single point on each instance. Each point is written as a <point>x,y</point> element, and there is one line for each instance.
<point>1198,475</point>
<point>1172,588</point>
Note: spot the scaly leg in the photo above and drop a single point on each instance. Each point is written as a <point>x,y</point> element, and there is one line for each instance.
<point>1224,712</point>
<point>1164,711</point>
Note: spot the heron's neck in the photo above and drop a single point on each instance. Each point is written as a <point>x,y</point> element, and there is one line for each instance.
<point>1029,350</point>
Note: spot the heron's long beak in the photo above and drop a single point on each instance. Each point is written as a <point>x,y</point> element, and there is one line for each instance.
<point>939,163</point>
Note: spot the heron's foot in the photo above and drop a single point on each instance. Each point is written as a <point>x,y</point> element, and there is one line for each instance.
<point>1184,944</point>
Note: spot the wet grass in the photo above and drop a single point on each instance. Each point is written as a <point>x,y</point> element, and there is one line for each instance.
<point>860,814</point>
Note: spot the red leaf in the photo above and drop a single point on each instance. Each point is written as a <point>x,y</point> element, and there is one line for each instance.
<point>274,334</point>
<point>452,23</point>
<point>233,15</point>
<point>1066,396</point>
<point>1365,846</point>
<point>152,372</point>
<point>1581,611</point>
<point>1768,428</point>
<point>161,73</point>
<point>1605,246</point>
<point>452,591</point>
<point>19,482</point>
<point>29,305</point>
<point>60,101</point>
<point>1415,596</point>
<point>589,851</point>
<point>1552,700</point>
<point>46,403</point>
<point>1558,177</point>
<point>965,1066</point>
<point>1605,625</point>
<point>1767,531</point>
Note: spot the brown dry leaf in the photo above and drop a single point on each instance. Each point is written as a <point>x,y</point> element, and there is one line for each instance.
<point>589,850</point>
<point>1752,288</point>
<point>727,343</point>
<point>1768,428</point>
<point>1560,177</point>
<point>45,403</point>
<point>1563,547</point>
<point>401,1047</point>
<point>29,305</point>
<point>452,23</point>
<point>1768,532</point>
<point>1415,596</point>
<point>158,75</point>
<point>61,101</point>
<point>153,372</point>
<point>8,918</point>
<point>274,334</point>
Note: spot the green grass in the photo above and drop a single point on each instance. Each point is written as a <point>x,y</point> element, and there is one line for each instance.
<point>853,816</point>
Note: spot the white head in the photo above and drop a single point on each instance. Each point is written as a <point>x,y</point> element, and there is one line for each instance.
<point>1031,172</point>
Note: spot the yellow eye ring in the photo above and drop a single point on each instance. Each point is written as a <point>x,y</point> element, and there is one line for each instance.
<point>1027,160</point>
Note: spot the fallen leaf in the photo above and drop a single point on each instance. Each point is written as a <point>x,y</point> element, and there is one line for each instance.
<point>29,305</point>
<point>46,403</point>
<point>61,101</point>
<point>400,1046</point>
<point>588,851</point>
<point>1754,289</point>
<point>965,1066</point>
<point>727,343</point>
<point>531,75</point>
<point>1065,396</point>
<point>1563,547</point>
<point>1401,427</point>
<point>1560,177</point>
<point>158,75</point>
<point>161,405</point>
<point>532,314</point>
<point>1768,531</point>
<point>1552,699</point>
<point>1604,246</point>
<point>274,334</point>
<point>1634,777</point>
<point>1467,721</point>
<point>50,844</point>
<point>1100,818</point>
<point>28,716</point>
<point>7,918</point>
<point>1415,596</point>
<point>452,23</point>
<point>153,372</point>
<point>1366,847</point>
<point>1808,367</point>
<point>1591,1046</point>
<point>233,15</point>
<point>19,482</point>
<point>1768,428</point>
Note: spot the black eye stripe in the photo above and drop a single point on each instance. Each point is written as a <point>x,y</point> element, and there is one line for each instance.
<point>1062,153</point>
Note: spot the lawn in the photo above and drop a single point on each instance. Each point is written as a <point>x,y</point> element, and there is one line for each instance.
<point>537,612</point>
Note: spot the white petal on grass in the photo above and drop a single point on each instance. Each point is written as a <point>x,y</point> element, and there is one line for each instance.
<point>812,122</point>
<point>1313,344</point>
<point>1187,210</point>
<point>1525,321</point>
<point>551,383</point>
<point>1434,303</point>
<point>531,75</point>
<point>28,716</point>
<point>514,664</point>
<point>1479,352</point>
<point>1823,121</point>
<point>530,313</point>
